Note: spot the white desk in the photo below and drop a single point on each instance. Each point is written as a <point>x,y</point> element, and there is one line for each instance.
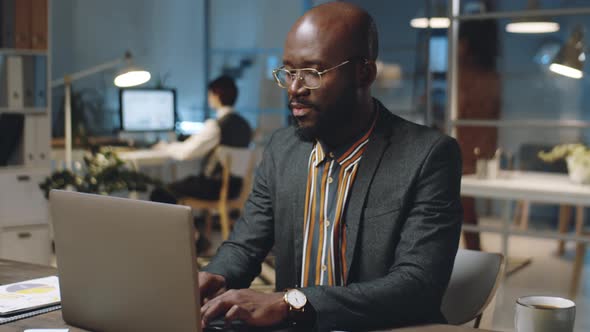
<point>149,158</point>
<point>534,187</point>
<point>145,157</point>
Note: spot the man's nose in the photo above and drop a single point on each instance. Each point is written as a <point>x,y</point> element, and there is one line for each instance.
<point>296,87</point>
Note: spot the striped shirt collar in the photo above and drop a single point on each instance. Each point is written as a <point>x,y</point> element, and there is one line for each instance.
<point>342,153</point>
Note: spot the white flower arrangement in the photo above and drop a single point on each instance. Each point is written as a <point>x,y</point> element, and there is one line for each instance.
<point>577,157</point>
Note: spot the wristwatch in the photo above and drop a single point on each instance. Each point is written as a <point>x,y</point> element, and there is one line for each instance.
<point>296,301</point>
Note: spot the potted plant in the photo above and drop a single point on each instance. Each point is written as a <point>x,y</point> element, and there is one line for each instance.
<point>103,173</point>
<point>577,157</point>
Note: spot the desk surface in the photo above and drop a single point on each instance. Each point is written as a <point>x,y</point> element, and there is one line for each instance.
<point>538,187</point>
<point>146,157</point>
<point>11,271</point>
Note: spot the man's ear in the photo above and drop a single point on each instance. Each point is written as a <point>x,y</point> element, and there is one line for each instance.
<point>368,73</point>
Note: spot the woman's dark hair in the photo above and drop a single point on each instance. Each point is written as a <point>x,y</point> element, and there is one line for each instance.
<point>225,88</point>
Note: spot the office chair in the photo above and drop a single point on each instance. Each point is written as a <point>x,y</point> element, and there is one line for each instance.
<point>236,161</point>
<point>474,280</point>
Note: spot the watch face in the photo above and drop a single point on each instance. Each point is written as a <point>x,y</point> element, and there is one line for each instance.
<point>296,299</point>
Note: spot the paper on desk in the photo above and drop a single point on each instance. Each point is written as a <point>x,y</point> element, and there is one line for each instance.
<point>29,294</point>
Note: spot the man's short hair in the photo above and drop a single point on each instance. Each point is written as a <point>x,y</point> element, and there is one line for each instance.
<point>225,88</point>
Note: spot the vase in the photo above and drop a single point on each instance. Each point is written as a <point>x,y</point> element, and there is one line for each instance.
<point>578,172</point>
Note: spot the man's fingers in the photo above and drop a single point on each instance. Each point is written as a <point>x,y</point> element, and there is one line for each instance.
<point>210,285</point>
<point>236,312</point>
<point>214,308</point>
<point>218,306</point>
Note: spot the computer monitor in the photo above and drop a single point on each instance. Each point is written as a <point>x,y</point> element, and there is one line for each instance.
<point>147,109</point>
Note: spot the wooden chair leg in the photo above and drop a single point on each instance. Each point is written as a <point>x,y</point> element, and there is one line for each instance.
<point>580,252</point>
<point>565,212</point>
<point>517,213</point>
<point>524,217</point>
<point>224,220</point>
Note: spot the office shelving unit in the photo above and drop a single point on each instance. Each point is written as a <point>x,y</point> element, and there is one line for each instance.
<point>24,218</point>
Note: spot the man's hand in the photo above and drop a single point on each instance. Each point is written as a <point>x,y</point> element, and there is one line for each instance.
<point>210,286</point>
<point>253,308</point>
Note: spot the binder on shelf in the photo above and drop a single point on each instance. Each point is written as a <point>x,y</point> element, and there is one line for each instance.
<point>7,24</point>
<point>28,80</point>
<point>3,82</point>
<point>22,24</point>
<point>14,81</point>
<point>40,85</point>
<point>39,25</point>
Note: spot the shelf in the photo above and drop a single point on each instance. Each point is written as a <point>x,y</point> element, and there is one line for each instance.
<point>22,169</point>
<point>525,14</point>
<point>24,110</point>
<point>14,51</point>
<point>531,123</point>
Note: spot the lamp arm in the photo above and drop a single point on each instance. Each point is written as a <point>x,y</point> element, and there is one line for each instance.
<point>69,78</point>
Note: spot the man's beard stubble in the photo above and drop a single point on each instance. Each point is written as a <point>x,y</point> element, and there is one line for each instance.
<point>329,120</point>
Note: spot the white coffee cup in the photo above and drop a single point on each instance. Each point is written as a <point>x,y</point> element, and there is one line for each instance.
<point>544,314</point>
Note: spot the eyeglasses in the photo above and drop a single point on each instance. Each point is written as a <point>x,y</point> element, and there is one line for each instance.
<point>311,78</point>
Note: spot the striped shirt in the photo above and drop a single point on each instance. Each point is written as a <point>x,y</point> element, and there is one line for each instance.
<point>330,177</point>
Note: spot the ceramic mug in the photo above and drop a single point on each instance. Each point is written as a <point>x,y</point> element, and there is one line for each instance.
<point>544,314</point>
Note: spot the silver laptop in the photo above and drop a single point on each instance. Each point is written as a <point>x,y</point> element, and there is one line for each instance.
<point>125,265</point>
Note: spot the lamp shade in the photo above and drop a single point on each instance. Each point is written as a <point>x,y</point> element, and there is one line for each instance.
<point>532,25</point>
<point>438,19</point>
<point>131,76</point>
<point>433,22</point>
<point>570,59</point>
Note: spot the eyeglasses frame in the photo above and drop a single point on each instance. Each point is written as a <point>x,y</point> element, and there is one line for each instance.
<point>297,75</point>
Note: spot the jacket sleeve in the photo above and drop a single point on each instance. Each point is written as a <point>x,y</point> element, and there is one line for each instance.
<point>239,258</point>
<point>412,291</point>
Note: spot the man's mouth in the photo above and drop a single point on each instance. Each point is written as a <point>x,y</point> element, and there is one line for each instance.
<point>300,110</point>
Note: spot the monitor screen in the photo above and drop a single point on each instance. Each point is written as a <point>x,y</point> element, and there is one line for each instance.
<point>147,109</point>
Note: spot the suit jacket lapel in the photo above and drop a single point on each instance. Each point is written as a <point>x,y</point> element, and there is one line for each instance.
<point>378,142</point>
<point>299,172</point>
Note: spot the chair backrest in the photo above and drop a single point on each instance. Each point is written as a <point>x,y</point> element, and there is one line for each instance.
<point>239,162</point>
<point>238,159</point>
<point>473,283</point>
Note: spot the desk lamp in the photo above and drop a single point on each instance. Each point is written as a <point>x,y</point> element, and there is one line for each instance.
<point>127,77</point>
<point>570,59</point>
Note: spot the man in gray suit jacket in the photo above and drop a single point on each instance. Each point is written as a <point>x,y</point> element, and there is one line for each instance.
<point>362,207</point>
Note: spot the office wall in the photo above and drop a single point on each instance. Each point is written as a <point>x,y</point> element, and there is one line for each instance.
<point>529,91</point>
<point>247,38</point>
<point>165,37</point>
